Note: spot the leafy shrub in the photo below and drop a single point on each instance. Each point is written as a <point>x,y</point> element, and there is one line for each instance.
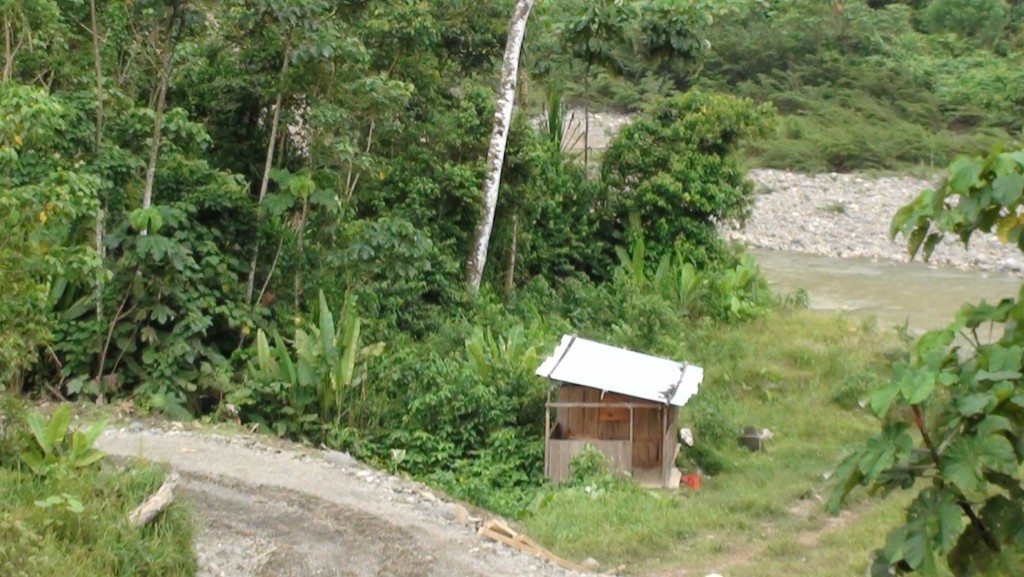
<point>44,195</point>
<point>963,400</point>
<point>318,379</point>
<point>673,172</point>
<point>53,450</point>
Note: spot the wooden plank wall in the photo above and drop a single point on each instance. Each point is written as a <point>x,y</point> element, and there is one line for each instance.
<point>594,423</point>
<point>647,438</point>
<point>560,452</point>
<point>669,444</point>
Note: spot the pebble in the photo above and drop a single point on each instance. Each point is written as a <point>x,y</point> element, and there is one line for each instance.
<point>848,216</point>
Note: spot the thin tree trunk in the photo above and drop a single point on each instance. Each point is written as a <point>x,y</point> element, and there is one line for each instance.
<point>299,248</point>
<point>499,138</point>
<point>98,64</point>
<point>8,51</point>
<point>161,103</point>
<point>510,270</point>
<point>267,166</point>
<point>586,120</point>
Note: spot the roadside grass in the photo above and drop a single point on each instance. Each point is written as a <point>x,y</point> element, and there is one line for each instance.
<point>42,532</point>
<point>797,373</point>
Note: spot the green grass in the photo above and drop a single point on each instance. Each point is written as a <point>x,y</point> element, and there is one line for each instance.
<point>764,514</point>
<point>37,540</point>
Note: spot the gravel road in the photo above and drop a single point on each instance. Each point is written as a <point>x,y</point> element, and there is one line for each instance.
<point>290,512</point>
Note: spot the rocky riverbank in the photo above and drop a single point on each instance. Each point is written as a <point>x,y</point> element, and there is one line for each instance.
<point>848,216</point>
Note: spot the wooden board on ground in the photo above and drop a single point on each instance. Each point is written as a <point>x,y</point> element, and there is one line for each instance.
<point>498,530</point>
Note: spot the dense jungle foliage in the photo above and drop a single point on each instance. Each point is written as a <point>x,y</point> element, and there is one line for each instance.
<point>858,84</point>
<point>260,209</point>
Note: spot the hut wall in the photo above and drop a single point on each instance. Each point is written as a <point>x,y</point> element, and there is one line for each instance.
<point>591,423</point>
<point>560,452</point>
<point>647,438</point>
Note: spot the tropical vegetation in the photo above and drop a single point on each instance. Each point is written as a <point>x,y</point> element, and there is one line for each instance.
<point>270,210</point>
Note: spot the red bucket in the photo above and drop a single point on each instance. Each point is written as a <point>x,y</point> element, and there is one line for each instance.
<point>691,481</point>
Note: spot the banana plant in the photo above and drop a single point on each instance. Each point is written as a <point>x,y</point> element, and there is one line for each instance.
<point>52,448</point>
<point>322,363</point>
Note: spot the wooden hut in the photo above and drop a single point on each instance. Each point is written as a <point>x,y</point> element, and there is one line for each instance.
<point>622,402</point>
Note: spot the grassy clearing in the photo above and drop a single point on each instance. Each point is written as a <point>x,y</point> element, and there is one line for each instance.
<point>799,374</point>
<point>43,532</point>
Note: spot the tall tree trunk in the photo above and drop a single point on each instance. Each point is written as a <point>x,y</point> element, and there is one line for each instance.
<point>98,229</point>
<point>499,138</point>
<point>267,166</point>
<point>161,102</point>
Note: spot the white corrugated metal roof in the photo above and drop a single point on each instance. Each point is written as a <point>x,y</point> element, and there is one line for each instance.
<point>598,366</point>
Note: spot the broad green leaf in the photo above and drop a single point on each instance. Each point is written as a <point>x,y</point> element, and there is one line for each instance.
<point>917,236</point>
<point>973,404</point>
<point>37,425</point>
<point>276,204</point>
<point>915,548</point>
<point>89,458</point>
<point>287,373</point>
<point>896,543</point>
<point>268,366</point>
<point>848,476</point>
<point>964,173</point>
<point>900,220</point>
<point>997,453</point>
<point>993,424</point>
<point>882,399</point>
<point>951,523</point>
<point>58,427</point>
<point>881,451</point>
<point>1006,359</point>
<point>327,332</point>
<point>1007,189</point>
<point>348,359</point>
<point>301,186</point>
<point>960,466</point>
<point>72,504</point>
<point>930,243</point>
<point>1005,226</point>
<point>34,460</point>
<point>94,432</point>
<point>918,387</point>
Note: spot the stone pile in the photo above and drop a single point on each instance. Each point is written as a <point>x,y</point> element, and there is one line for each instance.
<point>848,215</point>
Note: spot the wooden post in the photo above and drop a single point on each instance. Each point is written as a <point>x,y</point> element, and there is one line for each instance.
<point>631,458</point>
<point>547,437</point>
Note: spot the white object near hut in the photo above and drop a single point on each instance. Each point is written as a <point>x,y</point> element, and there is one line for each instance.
<point>622,402</point>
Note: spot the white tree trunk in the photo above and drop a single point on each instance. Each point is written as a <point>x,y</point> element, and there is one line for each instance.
<point>499,138</point>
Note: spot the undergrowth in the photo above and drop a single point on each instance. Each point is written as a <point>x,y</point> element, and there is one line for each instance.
<point>73,520</point>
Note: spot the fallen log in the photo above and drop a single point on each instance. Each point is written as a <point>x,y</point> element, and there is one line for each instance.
<point>156,503</point>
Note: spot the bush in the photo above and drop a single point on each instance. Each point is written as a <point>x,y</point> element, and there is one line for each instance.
<point>673,173</point>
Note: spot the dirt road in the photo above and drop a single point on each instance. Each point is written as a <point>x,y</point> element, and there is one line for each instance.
<point>265,512</point>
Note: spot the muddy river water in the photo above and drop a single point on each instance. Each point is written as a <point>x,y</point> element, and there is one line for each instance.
<point>920,295</point>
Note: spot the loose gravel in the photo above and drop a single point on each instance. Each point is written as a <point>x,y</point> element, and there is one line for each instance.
<point>287,511</point>
<point>848,215</point>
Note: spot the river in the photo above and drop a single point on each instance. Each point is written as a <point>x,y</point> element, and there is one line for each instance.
<point>922,296</point>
